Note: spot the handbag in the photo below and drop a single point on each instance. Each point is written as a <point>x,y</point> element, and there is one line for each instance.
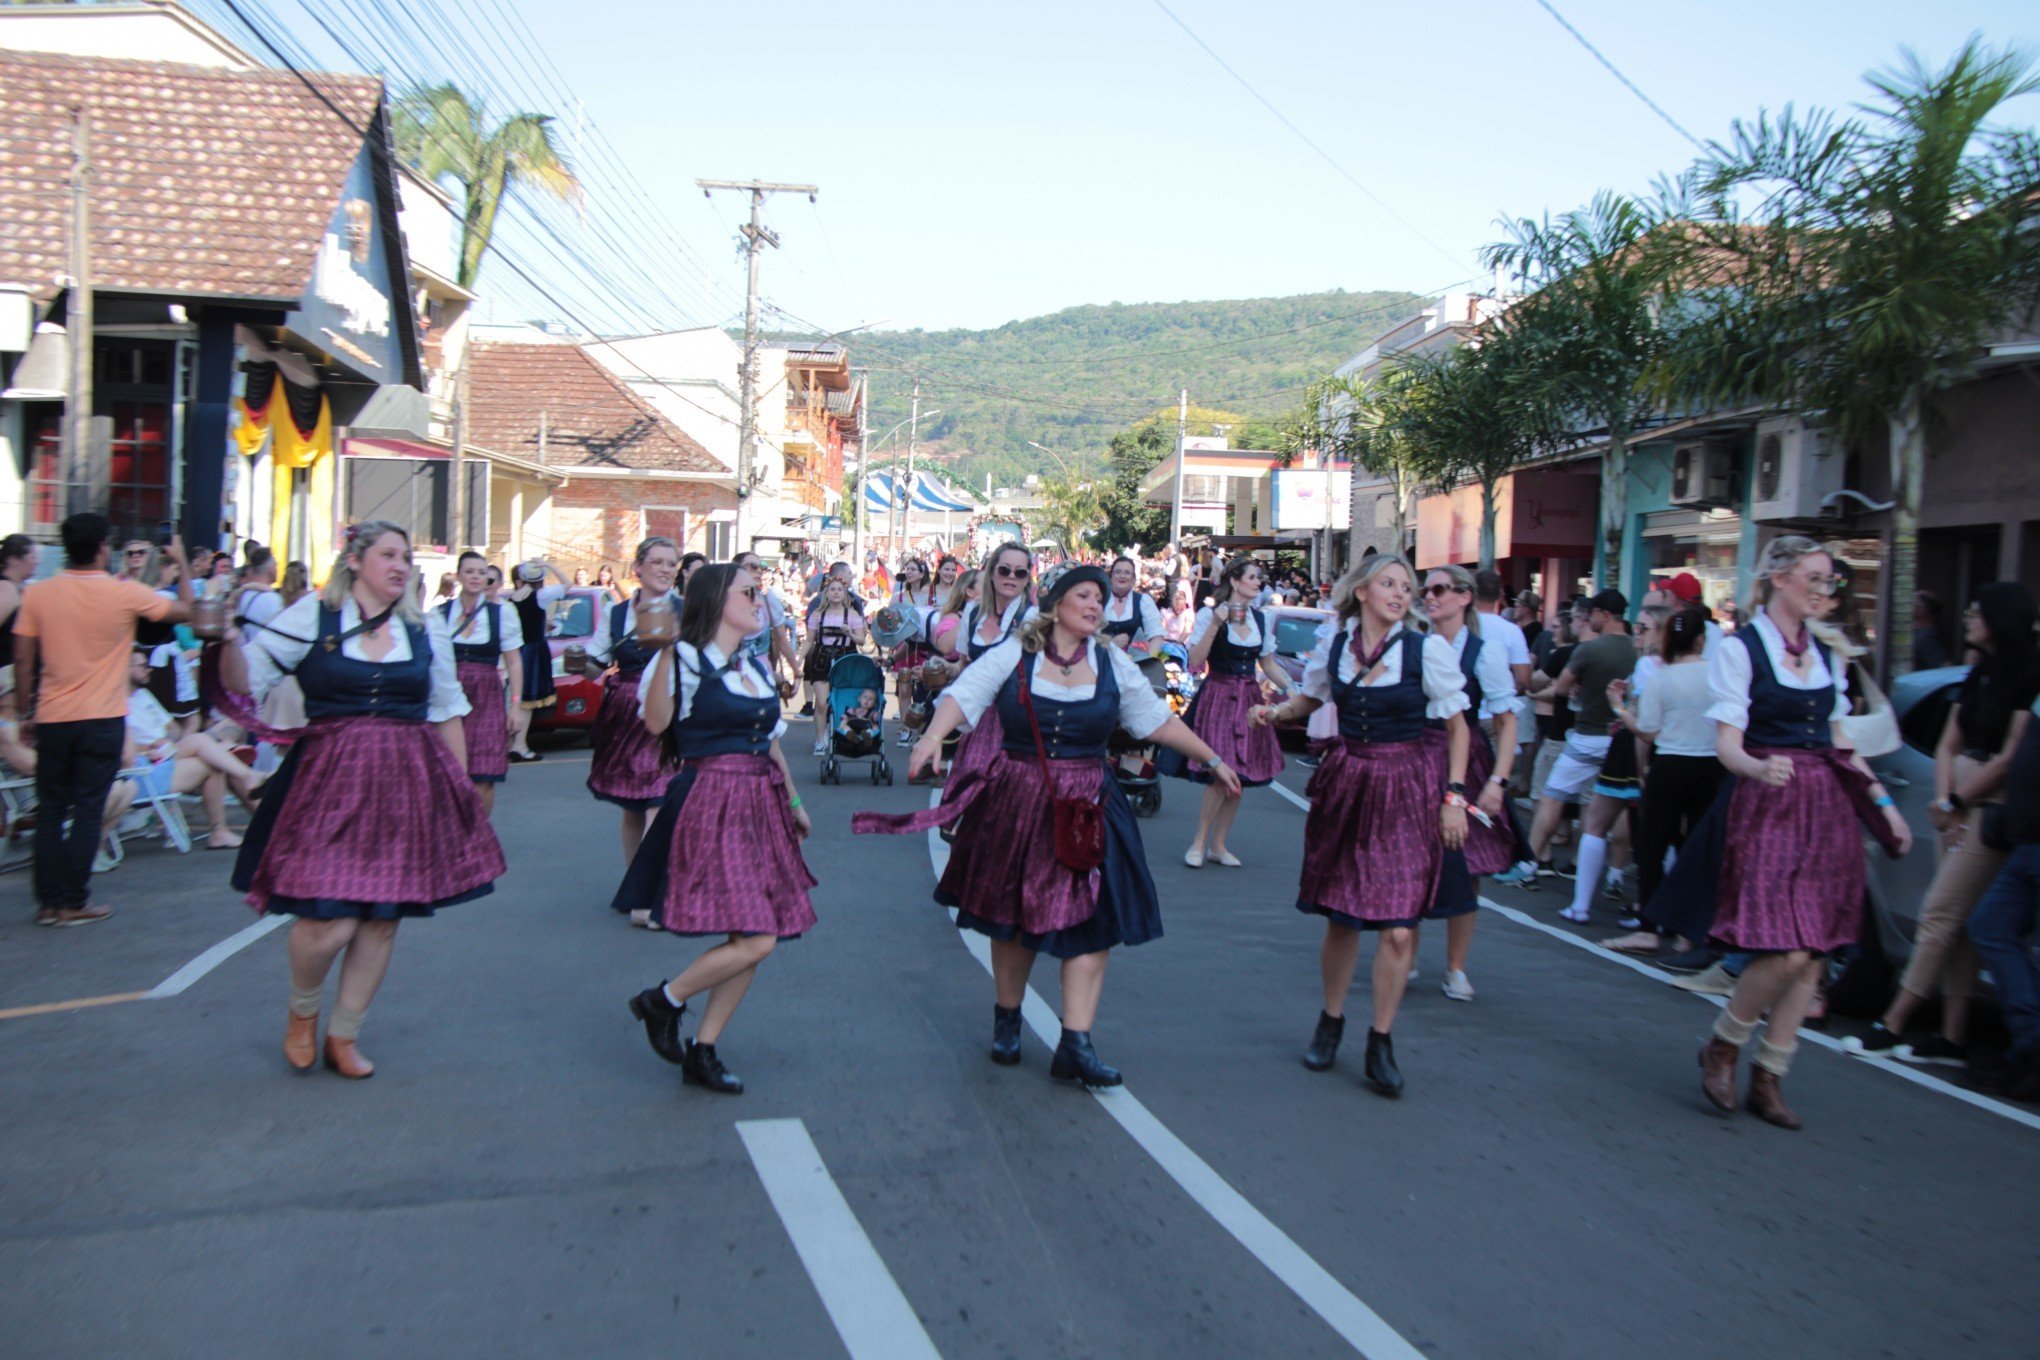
<point>1079,822</point>
<point>1873,732</point>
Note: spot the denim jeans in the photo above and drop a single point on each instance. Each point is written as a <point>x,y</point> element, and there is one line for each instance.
<point>75,765</point>
<point>1998,927</point>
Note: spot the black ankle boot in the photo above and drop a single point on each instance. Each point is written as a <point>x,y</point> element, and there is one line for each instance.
<point>1382,1072</point>
<point>703,1068</point>
<point>1324,1045</point>
<point>662,1021</point>
<point>1076,1059</point>
<point>1006,1036</point>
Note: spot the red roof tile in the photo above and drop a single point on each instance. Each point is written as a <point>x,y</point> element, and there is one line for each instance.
<point>591,418</point>
<point>205,181</point>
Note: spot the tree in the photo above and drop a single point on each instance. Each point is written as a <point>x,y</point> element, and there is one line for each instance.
<point>1129,519</point>
<point>1364,422</point>
<point>1851,270</point>
<point>443,134</point>
<point>1073,509</point>
<point>1593,325</point>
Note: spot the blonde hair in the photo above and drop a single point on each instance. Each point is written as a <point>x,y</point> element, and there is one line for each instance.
<point>644,549</point>
<point>1346,594</point>
<point>360,539</point>
<point>959,592</point>
<point>1781,555</point>
<point>1461,579</point>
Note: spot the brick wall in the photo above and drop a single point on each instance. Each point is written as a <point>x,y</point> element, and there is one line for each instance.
<point>602,519</point>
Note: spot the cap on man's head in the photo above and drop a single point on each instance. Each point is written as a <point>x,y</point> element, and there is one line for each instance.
<point>1611,600</point>
<point>1685,586</point>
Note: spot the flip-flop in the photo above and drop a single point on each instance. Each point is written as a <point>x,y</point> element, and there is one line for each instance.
<point>1638,950</point>
<point>82,916</point>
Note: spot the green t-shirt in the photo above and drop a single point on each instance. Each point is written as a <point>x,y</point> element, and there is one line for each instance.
<point>1593,665</point>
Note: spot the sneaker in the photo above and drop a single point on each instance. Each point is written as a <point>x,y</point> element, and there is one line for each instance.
<point>1523,875</point>
<point>1550,870</point>
<point>1615,886</point>
<point>1631,923</point>
<point>1714,982</point>
<point>1878,1043</point>
<point>807,710</point>
<point>821,748</point>
<point>1688,960</point>
<point>1457,987</point>
<point>1308,761</point>
<point>1583,916</point>
<point>906,737</point>
<point>1937,1050</point>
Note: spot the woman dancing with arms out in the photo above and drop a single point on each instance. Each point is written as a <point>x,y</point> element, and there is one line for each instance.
<point>1234,639</point>
<point>723,855</point>
<point>487,639</point>
<point>372,817</point>
<point>629,767</point>
<point>1053,695</point>
<point>1382,814</point>
<point>1790,889</point>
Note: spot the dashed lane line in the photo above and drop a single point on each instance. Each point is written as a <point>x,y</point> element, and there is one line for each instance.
<point>1365,1330</point>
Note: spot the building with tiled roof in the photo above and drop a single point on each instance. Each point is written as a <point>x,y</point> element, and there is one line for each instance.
<point>630,471</point>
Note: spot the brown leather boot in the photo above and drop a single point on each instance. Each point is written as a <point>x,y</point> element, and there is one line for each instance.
<point>301,1042</point>
<point>1767,1099</point>
<point>1717,1073</point>
<point>343,1057</point>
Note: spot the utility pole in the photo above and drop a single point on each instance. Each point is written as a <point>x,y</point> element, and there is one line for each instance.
<point>863,462</point>
<point>756,237</point>
<point>1182,456</point>
<point>906,493</point>
<point>76,445</point>
<point>456,495</point>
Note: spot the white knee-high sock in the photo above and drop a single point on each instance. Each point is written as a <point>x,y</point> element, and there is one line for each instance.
<point>1593,856</point>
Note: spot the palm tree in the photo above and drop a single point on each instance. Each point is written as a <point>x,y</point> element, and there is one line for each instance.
<point>1595,316</point>
<point>1851,270</point>
<point>1072,510</point>
<point>441,133</point>
<point>1365,422</point>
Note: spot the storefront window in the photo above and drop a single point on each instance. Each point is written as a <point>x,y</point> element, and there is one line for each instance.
<point>1699,542</point>
<point>138,466</point>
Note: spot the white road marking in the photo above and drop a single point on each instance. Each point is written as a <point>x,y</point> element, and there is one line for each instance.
<point>1636,965</point>
<point>214,957</point>
<point>1362,1328</point>
<point>863,1300</point>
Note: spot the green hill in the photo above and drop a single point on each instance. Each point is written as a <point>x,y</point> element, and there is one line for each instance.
<point>1072,379</point>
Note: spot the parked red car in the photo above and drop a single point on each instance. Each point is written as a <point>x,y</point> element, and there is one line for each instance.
<point>1296,635</point>
<point>573,618</point>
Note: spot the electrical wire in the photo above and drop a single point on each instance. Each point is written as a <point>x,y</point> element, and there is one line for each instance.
<point>1616,72</point>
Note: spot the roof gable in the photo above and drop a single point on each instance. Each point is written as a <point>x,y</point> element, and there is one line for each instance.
<point>590,418</point>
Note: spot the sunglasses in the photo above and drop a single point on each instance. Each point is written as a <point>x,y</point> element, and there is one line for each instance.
<point>750,593</point>
<point>1013,573</point>
<point>1439,591</point>
<point>137,552</point>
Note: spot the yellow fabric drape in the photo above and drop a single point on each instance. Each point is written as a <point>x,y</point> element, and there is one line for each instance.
<point>292,448</point>
<point>254,427</point>
<point>279,514</point>
<point>290,452</point>
<point>323,508</point>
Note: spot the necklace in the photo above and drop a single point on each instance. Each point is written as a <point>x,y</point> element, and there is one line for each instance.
<point>1065,663</point>
<point>1797,649</point>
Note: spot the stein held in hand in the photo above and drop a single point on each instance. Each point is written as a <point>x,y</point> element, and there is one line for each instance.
<point>657,624</point>
<point>209,617</point>
<point>575,658</point>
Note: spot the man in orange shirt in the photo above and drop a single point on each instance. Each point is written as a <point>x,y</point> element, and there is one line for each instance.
<point>72,638</point>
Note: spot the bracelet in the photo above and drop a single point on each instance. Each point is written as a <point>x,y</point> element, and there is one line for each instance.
<point>1883,801</point>
<point>1457,800</point>
<point>793,803</point>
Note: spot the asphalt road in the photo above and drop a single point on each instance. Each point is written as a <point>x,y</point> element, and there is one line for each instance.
<point>523,1178</point>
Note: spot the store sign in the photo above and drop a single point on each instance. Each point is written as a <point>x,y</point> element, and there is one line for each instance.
<point>355,307</point>
<point>1311,499</point>
<point>337,279</point>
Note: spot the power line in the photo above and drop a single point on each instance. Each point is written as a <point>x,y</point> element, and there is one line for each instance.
<point>1614,71</point>
<point>1305,138</point>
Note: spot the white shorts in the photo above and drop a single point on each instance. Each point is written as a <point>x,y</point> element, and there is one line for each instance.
<point>1574,771</point>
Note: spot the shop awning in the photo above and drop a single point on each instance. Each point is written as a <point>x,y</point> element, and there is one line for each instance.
<point>1537,514</point>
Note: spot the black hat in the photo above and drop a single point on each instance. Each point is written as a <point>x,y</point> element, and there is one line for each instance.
<point>1075,576</point>
<point>1611,600</point>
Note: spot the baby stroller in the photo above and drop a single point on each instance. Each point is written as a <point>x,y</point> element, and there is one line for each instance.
<point>850,738</point>
<point>1133,761</point>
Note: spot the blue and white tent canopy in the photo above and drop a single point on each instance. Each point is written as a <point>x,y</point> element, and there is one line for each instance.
<point>886,490</point>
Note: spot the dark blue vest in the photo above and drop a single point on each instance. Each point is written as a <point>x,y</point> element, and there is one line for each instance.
<point>975,615</point>
<point>720,723</point>
<point>485,653</point>
<point>1782,717</point>
<point>1471,671</point>
<point>1382,713</point>
<point>1229,658</point>
<point>628,654</point>
<point>338,686</point>
<point>1075,730</point>
<point>1128,628</point>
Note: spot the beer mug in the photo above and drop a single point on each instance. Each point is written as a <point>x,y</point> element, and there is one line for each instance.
<point>209,617</point>
<point>934,674</point>
<point>576,658</point>
<point>657,624</point>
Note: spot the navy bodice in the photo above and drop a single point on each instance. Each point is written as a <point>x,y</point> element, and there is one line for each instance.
<point>1469,668</point>
<point>531,617</point>
<point>1780,716</point>
<point>974,616</point>
<point>1129,627</point>
<point>1380,714</point>
<point>1070,730</point>
<point>1228,657</point>
<point>629,656</point>
<point>720,723</point>
<point>338,686</point>
<point>484,653</point>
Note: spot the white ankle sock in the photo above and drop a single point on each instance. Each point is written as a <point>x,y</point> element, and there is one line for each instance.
<point>1593,854</point>
<point>667,989</point>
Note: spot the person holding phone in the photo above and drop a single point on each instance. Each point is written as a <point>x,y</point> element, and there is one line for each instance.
<point>533,601</point>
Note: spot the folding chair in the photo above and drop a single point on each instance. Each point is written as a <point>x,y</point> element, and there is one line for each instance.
<point>17,802</point>
<point>167,807</point>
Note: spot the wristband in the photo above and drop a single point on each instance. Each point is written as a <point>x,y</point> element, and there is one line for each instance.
<point>793,802</point>
<point>1457,800</point>
<point>1498,779</point>
<point>1883,801</point>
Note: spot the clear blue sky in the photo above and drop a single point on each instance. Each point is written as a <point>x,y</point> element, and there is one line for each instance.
<point>983,162</point>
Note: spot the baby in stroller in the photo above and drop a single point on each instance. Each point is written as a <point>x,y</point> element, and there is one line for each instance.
<point>859,731</point>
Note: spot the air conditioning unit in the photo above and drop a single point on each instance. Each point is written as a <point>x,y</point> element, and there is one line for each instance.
<point>1703,473</point>
<point>1796,467</point>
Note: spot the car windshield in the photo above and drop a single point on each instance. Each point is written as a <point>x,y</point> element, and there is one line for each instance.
<point>573,617</point>
<point>1296,634</point>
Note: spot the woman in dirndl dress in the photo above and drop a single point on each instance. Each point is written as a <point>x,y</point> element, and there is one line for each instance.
<point>916,588</point>
<point>1132,620</point>
<point>1003,603</point>
<point>1004,876</point>
<point>1491,845</point>
<point>371,818</point>
<point>486,642</point>
<point>723,855</point>
<point>629,767</point>
<point>1791,871</point>
<point>533,599</point>
<point>1383,814</point>
<point>1234,639</point>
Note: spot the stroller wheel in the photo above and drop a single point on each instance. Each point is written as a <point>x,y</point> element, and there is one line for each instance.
<point>883,773</point>
<point>1147,802</point>
<point>874,774</point>
<point>829,775</point>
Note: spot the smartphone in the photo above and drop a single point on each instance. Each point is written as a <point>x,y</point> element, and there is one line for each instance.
<point>165,531</point>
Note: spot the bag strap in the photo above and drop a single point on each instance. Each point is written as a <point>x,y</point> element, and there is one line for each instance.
<point>1024,677</point>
